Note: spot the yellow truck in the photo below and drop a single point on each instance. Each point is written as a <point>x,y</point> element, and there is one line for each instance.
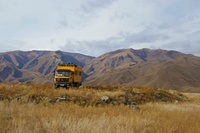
<point>67,75</point>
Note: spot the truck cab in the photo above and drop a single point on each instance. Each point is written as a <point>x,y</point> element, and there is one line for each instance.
<point>67,75</point>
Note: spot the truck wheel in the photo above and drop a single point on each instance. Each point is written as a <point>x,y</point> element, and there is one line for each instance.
<point>67,87</point>
<point>56,87</point>
<point>76,85</point>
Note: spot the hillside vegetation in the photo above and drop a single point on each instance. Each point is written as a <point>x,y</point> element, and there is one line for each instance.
<point>97,109</point>
<point>88,95</point>
<point>143,67</point>
<point>33,66</point>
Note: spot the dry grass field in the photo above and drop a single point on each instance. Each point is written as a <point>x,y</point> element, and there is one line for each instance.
<point>41,108</point>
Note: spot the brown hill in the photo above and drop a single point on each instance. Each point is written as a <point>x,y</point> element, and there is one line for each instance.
<point>158,68</point>
<point>35,66</point>
<point>145,67</point>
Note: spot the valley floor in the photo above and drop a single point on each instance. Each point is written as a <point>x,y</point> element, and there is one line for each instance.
<point>152,117</point>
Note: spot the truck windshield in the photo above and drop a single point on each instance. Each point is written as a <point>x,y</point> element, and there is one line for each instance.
<point>63,73</point>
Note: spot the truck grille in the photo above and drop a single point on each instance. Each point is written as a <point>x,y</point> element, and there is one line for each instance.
<point>62,79</point>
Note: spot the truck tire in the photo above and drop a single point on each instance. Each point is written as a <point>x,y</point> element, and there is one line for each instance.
<point>55,86</point>
<point>67,87</point>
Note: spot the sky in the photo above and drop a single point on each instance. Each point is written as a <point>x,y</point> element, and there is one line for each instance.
<point>94,27</point>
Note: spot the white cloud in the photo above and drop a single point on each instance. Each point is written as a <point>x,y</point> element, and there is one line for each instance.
<point>97,26</point>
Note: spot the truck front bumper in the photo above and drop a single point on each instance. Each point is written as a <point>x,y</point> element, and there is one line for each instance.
<point>61,85</point>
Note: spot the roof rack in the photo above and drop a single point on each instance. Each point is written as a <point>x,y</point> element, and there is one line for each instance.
<point>68,64</point>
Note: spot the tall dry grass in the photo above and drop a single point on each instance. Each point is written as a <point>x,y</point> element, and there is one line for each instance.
<point>152,117</point>
<point>88,95</point>
<point>21,115</point>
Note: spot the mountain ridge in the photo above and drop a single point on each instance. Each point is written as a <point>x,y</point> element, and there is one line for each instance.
<point>34,65</point>
<point>144,67</point>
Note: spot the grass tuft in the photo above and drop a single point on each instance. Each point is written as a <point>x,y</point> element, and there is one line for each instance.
<point>41,108</point>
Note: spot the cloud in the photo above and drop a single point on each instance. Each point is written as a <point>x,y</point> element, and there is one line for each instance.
<point>94,47</point>
<point>91,6</point>
<point>188,42</point>
<point>8,44</point>
<point>123,40</point>
<point>97,26</point>
<point>145,37</point>
<point>184,46</point>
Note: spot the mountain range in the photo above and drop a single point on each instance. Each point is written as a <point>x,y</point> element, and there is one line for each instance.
<point>143,67</point>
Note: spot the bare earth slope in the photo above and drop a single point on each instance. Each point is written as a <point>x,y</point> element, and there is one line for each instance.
<point>158,68</point>
<point>35,66</point>
<point>144,67</point>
